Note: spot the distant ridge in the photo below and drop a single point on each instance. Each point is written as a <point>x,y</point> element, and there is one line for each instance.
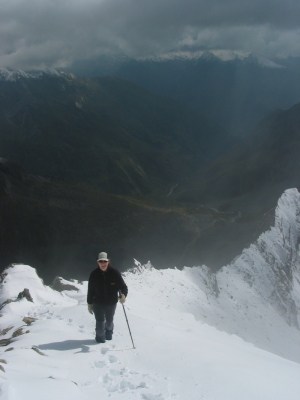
<point>12,75</point>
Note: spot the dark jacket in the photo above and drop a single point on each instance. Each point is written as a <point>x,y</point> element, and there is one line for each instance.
<point>104,287</point>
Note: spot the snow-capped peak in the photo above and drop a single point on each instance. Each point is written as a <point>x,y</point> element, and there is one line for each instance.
<point>11,75</point>
<point>221,55</point>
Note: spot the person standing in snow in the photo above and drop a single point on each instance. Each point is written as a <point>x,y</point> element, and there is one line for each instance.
<point>106,286</point>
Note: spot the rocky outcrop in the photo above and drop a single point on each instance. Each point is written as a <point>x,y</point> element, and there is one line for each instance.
<point>25,294</point>
<point>60,285</point>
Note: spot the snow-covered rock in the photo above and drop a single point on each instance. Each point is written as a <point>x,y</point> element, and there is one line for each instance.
<point>13,281</point>
<point>271,267</point>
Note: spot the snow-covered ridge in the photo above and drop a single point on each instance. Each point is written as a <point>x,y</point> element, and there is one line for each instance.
<point>257,296</point>
<point>10,75</point>
<point>271,266</point>
<point>221,55</point>
<point>258,291</point>
<point>173,316</point>
<point>51,352</point>
<point>188,325</point>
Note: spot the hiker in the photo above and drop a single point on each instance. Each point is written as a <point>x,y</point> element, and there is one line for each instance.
<point>105,287</point>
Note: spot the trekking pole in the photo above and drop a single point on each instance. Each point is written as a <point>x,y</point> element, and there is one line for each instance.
<point>128,325</point>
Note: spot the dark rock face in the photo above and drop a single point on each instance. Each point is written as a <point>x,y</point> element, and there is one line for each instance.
<point>25,294</point>
<point>60,286</point>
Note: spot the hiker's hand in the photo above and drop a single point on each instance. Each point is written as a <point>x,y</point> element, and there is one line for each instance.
<point>91,308</point>
<point>122,298</point>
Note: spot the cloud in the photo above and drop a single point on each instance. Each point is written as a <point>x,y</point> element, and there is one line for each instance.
<point>56,33</point>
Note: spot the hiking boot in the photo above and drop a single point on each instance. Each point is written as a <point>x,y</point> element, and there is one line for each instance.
<point>99,339</point>
<point>108,335</point>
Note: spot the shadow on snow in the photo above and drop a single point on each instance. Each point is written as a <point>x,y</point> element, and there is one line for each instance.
<point>69,345</point>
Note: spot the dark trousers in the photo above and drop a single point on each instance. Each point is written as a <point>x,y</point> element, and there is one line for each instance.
<point>104,315</point>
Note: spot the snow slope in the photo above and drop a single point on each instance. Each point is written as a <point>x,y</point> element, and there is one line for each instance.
<point>176,355</point>
<point>232,335</point>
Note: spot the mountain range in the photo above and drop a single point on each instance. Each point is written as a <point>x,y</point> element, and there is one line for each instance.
<point>106,163</point>
<point>235,91</point>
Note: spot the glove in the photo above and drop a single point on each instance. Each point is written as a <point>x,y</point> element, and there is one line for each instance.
<point>91,308</point>
<point>122,298</point>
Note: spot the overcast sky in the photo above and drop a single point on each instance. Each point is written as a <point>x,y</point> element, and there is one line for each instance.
<point>55,33</point>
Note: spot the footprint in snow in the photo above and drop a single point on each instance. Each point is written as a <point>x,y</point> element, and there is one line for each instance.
<point>116,380</point>
<point>112,359</point>
<point>112,385</point>
<point>120,379</point>
<point>115,372</point>
<point>104,350</point>
<point>100,364</point>
<point>152,396</point>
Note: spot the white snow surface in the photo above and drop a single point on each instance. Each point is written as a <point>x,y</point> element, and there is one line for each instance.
<point>232,335</point>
